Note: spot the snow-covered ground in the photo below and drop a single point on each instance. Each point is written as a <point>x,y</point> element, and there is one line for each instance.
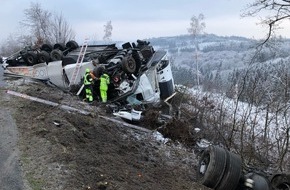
<point>266,131</point>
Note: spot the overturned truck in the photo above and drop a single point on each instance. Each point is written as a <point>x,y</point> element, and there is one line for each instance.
<point>138,73</point>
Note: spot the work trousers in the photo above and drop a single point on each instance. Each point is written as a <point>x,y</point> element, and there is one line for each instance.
<point>103,95</point>
<point>89,93</point>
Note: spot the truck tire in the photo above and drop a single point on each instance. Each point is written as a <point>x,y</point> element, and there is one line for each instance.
<point>56,55</point>
<point>280,181</point>
<point>43,57</point>
<point>59,46</point>
<point>30,58</point>
<point>129,65</point>
<point>232,173</point>
<point>71,45</point>
<point>46,47</point>
<point>211,166</point>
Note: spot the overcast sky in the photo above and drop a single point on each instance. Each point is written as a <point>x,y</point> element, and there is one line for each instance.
<point>138,19</point>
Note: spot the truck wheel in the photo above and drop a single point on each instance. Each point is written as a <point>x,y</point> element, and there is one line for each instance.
<point>232,173</point>
<point>30,58</point>
<point>129,65</point>
<point>72,45</point>
<point>56,55</point>
<point>211,166</point>
<point>46,47</point>
<point>59,46</point>
<point>43,57</point>
<point>280,181</point>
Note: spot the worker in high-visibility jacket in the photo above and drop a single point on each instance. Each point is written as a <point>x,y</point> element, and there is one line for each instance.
<point>104,82</point>
<point>88,84</point>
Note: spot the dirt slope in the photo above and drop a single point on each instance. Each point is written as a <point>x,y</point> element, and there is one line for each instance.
<point>66,150</point>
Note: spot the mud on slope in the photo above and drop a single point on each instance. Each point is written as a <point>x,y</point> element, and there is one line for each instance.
<point>66,150</point>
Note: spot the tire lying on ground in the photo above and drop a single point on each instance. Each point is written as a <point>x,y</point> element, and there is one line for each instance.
<point>56,55</point>
<point>232,173</point>
<point>219,169</point>
<point>212,165</point>
<point>280,181</point>
<point>43,57</point>
<point>30,58</point>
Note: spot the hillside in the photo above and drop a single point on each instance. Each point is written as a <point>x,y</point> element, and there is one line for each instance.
<point>61,150</point>
<point>220,55</point>
<point>66,150</point>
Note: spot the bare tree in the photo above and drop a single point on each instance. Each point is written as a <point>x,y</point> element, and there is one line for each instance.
<point>197,26</point>
<point>38,22</point>
<point>46,27</point>
<point>276,11</point>
<point>61,31</point>
<point>108,28</point>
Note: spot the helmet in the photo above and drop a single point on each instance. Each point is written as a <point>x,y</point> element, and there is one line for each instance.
<point>87,70</point>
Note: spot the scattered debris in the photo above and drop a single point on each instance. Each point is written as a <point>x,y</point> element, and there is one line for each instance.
<point>133,115</point>
<point>57,123</point>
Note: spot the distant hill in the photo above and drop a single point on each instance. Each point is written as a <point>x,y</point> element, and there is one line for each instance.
<point>216,54</point>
